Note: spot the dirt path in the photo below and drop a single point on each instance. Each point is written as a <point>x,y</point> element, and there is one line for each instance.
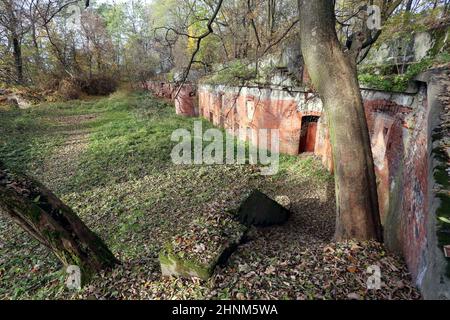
<point>60,168</point>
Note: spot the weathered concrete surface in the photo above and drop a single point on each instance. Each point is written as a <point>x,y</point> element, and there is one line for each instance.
<point>205,243</point>
<point>410,49</point>
<point>426,250</point>
<point>211,239</point>
<point>179,265</point>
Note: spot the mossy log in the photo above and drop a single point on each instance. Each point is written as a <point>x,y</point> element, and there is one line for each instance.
<point>39,212</point>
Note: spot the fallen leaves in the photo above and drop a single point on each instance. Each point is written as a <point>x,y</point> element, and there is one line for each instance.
<point>270,270</point>
<point>136,216</point>
<point>352,269</point>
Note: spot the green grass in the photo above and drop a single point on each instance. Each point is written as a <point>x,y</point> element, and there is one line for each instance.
<point>129,138</point>
<point>123,184</point>
<point>24,139</point>
<point>307,167</point>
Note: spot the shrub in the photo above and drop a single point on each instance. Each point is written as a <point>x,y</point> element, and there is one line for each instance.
<point>68,89</point>
<point>99,85</point>
<point>399,82</point>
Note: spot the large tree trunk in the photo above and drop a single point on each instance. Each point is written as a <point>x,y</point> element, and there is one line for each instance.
<point>37,51</point>
<point>333,74</point>
<point>52,223</point>
<point>17,52</point>
<point>15,36</point>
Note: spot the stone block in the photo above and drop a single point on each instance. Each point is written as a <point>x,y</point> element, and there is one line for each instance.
<point>259,210</point>
<point>207,242</point>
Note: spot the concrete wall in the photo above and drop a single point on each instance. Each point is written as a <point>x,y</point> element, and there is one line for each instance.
<point>410,49</point>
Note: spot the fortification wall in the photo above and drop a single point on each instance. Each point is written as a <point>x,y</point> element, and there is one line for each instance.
<point>400,130</point>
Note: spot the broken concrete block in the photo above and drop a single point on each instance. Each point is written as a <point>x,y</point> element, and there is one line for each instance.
<point>208,241</point>
<point>211,239</point>
<point>259,210</point>
<point>176,265</point>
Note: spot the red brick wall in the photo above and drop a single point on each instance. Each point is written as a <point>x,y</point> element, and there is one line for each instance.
<point>414,204</point>
<point>401,170</point>
<point>185,101</point>
<point>386,121</point>
<point>233,112</point>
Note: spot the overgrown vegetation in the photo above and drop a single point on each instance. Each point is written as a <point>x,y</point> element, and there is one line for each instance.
<point>108,159</point>
<point>398,36</point>
<point>384,79</point>
<point>235,73</point>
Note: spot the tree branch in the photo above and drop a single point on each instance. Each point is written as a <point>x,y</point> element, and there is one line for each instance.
<point>197,49</point>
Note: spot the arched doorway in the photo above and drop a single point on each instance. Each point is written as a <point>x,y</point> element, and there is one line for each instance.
<point>308,134</point>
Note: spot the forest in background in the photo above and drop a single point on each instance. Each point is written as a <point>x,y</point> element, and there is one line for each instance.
<point>71,50</point>
<point>60,49</point>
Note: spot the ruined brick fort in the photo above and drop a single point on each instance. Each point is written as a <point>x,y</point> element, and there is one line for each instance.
<point>401,128</point>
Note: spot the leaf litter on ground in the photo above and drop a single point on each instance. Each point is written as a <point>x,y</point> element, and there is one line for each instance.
<point>112,166</point>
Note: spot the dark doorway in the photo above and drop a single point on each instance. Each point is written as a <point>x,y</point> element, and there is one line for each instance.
<point>308,134</point>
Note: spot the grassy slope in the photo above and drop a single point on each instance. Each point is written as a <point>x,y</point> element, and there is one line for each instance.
<point>110,160</point>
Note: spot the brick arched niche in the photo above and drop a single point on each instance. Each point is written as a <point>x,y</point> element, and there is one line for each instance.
<point>230,112</point>
<point>186,101</point>
<point>386,121</point>
<point>218,118</point>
